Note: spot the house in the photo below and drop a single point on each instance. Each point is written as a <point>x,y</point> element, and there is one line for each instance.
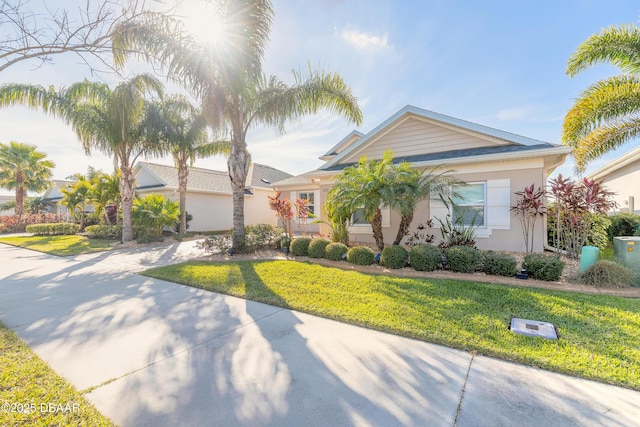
<point>7,199</point>
<point>53,196</point>
<point>622,176</point>
<point>209,195</point>
<point>493,163</point>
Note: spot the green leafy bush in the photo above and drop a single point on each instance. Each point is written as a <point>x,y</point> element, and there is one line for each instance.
<point>463,259</point>
<point>54,229</point>
<point>598,236</point>
<point>425,257</point>
<point>152,213</point>
<point>103,231</point>
<point>216,244</point>
<point>261,235</point>
<point>361,255</point>
<point>498,264</point>
<point>543,267</point>
<point>300,246</point>
<point>608,274</point>
<point>335,251</point>
<point>283,241</point>
<point>623,224</point>
<point>318,248</point>
<point>394,257</point>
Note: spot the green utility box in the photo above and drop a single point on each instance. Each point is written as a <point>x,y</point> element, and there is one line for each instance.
<point>627,251</point>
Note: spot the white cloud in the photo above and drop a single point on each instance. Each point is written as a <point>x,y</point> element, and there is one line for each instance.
<point>362,40</point>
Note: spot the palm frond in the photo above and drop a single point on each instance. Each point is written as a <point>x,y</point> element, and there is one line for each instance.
<point>604,139</point>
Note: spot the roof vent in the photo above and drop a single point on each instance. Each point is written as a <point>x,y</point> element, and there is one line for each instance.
<point>266,181</point>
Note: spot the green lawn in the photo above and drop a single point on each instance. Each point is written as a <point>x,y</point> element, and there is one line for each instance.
<point>32,394</point>
<point>59,245</point>
<point>599,335</point>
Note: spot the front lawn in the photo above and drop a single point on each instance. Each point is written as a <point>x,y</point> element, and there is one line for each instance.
<point>59,245</point>
<point>599,335</point>
<point>32,394</point>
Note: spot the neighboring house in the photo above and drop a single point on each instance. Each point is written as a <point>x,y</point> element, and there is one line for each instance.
<point>622,176</point>
<point>494,163</point>
<point>209,196</point>
<point>53,196</point>
<point>6,199</point>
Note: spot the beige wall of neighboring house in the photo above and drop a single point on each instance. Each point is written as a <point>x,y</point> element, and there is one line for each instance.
<point>622,176</point>
<point>497,162</point>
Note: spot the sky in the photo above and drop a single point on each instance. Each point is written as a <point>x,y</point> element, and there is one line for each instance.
<point>499,63</point>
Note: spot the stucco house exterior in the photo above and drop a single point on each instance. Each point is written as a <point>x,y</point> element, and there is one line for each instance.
<point>493,163</point>
<point>209,195</point>
<point>622,176</point>
<point>53,196</point>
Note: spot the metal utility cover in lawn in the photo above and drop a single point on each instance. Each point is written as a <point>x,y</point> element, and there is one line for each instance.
<point>533,328</point>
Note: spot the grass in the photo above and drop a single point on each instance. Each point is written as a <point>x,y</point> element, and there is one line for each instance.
<point>31,393</point>
<point>599,335</point>
<point>59,245</point>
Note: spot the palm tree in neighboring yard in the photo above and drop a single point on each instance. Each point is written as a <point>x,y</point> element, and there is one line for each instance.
<point>226,76</point>
<point>76,197</point>
<point>607,114</point>
<point>185,136</point>
<point>116,122</point>
<point>105,192</point>
<point>24,169</point>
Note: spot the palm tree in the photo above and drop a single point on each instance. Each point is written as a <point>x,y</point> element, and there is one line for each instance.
<point>76,197</point>
<point>227,78</point>
<point>606,115</point>
<point>185,136</point>
<point>24,169</point>
<point>116,122</point>
<point>105,191</point>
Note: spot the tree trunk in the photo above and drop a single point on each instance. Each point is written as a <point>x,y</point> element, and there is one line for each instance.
<point>183,176</point>
<point>376,225</point>
<point>19,210</point>
<point>403,228</point>
<point>238,165</point>
<point>127,192</point>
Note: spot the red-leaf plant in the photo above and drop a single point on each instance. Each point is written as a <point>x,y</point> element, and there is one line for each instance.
<point>283,210</point>
<point>528,207</point>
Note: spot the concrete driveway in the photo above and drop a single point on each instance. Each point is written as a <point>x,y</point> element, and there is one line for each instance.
<point>155,353</point>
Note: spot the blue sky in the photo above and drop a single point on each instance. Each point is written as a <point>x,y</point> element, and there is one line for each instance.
<point>496,63</point>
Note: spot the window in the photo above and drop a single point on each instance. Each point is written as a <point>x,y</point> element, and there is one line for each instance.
<point>358,218</point>
<point>470,205</point>
<point>309,197</point>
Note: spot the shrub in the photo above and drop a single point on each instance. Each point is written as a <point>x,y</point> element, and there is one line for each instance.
<point>608,274</point>
<point>463,259</point>
<point>425,257</point>
<point>335,251</point>
<point>103,231</point>
<point>261,235</point>
<point>14,224</point>
<point>318,248</point>
<point>55,229</point>
<point>300,246</point>
<point>361,255</point>
<point>623,224</point>
<point>152,213</point>
<point>499,264</point>
<point>597,235</point>
<point>216,244</point>
<point>283,241</point>
<point>543,267</point>
<point>394,256</point>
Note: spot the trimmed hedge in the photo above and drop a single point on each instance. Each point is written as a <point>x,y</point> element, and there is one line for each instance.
<point>103,231</point>
<point>54,229</point>
<point>543,267</point>
<point>318,248</point>
<point>608,274</point>
<point>498,264</point>
<point>463,259</point>
<point>361,255</point>
<point>300,246</point>
<point>335,251</point>
<point>394,257</point>
<point>425,257</point>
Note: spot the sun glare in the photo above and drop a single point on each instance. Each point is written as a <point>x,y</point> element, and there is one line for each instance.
<point>201,19</point>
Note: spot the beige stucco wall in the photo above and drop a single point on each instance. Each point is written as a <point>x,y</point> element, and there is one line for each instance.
<point>256,208</point>
<point>625,182</point>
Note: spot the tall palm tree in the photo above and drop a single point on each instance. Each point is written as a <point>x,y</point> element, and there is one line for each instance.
<point>185,136</point>
<point>24,169</point>
<point>607,114</point>
<point>227,78</point>
<point>116,122</point>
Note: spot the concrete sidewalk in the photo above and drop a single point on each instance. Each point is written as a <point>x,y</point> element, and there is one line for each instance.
<point>159,354</point>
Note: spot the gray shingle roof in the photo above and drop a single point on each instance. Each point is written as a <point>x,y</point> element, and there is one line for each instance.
<point>266,173</point>
<point>294,180</point>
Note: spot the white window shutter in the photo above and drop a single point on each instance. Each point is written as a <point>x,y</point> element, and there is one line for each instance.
<point>437,210</point>
<point>499,203</point>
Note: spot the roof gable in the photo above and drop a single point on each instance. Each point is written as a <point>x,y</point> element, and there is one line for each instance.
<point>414,131</point>
<point>627,159</point>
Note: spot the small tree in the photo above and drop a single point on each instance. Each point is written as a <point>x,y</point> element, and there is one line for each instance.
<point>154,212</point>
<point>575,205</point>
<point>283,210</point>
<point>302,210</point>
<point>528,207</point>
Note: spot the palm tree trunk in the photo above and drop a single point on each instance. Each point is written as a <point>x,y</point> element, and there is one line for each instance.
<point>127,192</point>
<point>403,228</point>
<point>238,165</point>
<point>19,210</point>
<point>183,176</point>
<point>376,225</point>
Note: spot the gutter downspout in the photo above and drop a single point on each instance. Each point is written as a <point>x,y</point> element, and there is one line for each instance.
<point>545,243</point>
